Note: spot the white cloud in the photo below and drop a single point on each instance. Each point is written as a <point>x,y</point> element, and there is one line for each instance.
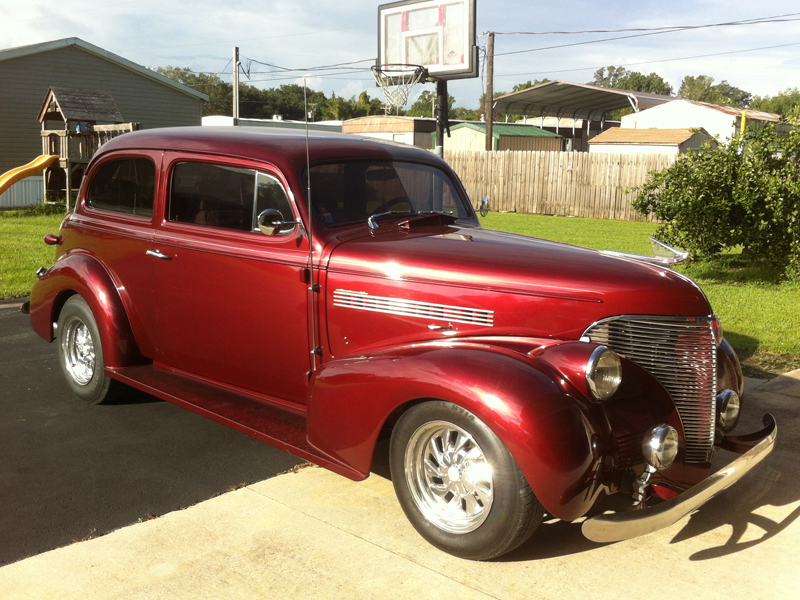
<point>200,34</point>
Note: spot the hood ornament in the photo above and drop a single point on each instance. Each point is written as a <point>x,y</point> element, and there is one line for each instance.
<point>665,255</point>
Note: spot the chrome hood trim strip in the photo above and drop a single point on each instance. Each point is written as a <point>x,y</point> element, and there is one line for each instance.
<point>413,308</point>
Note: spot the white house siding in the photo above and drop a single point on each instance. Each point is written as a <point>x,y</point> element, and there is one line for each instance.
<point>671,149</point>
<point>678,114</point>
<point>26,79</point>
<point>27,192</point>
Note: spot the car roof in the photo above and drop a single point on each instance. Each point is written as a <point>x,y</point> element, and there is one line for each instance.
<point>283,148</point>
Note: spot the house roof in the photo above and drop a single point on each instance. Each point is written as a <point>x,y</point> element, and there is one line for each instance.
<point>575,100</point>
<point>507,129</point>
<point>92,49</point>
<point>81,105</point>
<point>737,112</point>
<point>659,137</point>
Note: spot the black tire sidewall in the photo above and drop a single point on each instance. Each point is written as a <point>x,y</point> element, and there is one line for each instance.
<point>502,521</point>
<point>95,391</point>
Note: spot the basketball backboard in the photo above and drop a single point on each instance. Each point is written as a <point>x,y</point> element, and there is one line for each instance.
<point>436,34</point>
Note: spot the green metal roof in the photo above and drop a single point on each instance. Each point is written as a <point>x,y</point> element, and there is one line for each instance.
<point>499,129</point>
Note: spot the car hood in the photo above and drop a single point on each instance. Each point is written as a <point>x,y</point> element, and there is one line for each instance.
<point>493,261</point>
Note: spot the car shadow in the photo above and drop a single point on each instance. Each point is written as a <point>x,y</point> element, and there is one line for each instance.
<point>775,482</point>
<point>128,395</point>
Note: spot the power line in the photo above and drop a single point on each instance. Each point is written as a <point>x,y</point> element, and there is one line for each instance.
<point>647,62</point>
<point>622,37</point>
<point>337,66</point>
<point>756,21</point>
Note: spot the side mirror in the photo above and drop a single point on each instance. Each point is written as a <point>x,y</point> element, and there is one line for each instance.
<point>484,208</point>
<point>270,222</point>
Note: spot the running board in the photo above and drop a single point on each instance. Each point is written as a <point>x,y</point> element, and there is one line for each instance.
<point>247,414</point>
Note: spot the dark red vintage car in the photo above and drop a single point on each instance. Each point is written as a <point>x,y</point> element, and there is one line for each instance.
<point>321,293</point>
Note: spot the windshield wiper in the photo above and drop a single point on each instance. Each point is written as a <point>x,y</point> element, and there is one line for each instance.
<point>374,225</point>
<point>371,220</point>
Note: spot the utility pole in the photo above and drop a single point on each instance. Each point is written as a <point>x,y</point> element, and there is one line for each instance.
<point>235,86</point>
<point>488,112</point>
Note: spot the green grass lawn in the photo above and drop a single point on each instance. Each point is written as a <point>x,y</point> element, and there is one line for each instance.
<point>22,250</point>
<point>761,318</point>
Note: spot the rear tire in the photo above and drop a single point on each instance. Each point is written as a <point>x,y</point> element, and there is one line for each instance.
<point>80,354</point>
<point>458,484</point>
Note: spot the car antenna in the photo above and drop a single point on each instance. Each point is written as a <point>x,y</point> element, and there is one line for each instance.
<point>313,288</point>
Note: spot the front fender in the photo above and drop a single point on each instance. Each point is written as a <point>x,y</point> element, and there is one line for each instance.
<point>548,431</point>
<point>80,273</point>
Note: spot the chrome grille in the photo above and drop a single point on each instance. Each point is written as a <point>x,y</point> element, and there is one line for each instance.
<point>681,354</point>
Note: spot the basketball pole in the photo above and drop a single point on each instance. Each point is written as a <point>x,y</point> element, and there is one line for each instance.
<point>442,116</point>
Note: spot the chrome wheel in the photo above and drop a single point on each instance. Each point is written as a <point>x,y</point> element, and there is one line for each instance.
<point>448,476</point>
<point>78,350</point>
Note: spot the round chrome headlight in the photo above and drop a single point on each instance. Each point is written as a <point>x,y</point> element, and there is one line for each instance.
<point>603,373</point>
<point>727,409</point>
<point>660,447</point>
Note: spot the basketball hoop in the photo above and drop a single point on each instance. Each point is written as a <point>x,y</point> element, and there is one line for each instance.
<point>397,81</point>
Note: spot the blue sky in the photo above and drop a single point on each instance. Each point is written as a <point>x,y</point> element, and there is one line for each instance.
<point>200,34</point>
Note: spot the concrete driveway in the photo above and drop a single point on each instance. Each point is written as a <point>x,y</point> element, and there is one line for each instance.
<point>68,469</point>
<point>312,534</point>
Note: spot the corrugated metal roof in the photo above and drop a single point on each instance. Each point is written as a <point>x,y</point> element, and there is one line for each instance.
<point>620,135</point>
<point>514,129</point>
<point>574,100</point>
<point>91,48</point>
<point>82,105</point>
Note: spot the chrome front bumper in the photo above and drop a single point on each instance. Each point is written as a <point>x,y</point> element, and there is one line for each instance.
<point>615,527</point>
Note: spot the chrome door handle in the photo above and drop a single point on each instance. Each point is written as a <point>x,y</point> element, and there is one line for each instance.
<point>448,327</point>
<point>158,254</point>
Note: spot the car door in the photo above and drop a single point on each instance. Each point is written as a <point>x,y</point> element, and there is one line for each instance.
<point>231,301</point>
<point>116,223</point>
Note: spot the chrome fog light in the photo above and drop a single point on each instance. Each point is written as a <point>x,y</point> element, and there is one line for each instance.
<point>603,373</point>
<point>660,447</point>
<point>727,409</point>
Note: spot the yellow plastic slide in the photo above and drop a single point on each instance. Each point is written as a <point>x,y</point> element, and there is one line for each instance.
<point>11,177</point>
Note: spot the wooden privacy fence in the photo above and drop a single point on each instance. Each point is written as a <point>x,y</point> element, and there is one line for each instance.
<point>578,184</point>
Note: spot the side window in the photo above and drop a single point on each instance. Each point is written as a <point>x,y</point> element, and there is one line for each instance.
<point>222,196</point>
<point>125,185</point>
<point>270,194</point>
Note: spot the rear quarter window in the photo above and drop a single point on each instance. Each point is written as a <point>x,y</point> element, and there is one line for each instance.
<point>125,185</point>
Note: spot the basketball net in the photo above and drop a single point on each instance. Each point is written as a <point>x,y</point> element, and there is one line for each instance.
<point>397,81</point>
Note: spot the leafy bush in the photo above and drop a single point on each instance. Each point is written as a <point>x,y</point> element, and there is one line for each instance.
<point>745,192</point>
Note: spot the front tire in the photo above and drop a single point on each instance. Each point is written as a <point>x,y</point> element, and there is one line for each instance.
<point>80,353</point>
<point>458,484</point>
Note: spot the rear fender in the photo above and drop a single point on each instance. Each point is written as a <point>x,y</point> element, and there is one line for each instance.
<point>79,273</point>
<point>547,430</point>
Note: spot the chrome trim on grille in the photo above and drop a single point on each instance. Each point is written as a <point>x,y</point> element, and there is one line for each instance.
<point>681,353</point>
<point>413,308</point>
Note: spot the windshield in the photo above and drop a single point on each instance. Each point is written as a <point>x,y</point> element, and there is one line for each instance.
<point>351,192</point>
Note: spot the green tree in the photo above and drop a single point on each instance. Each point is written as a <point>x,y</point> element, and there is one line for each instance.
<point>701,88</point>
<point>528,84</point>
<point>424,106</point>
<point>745,192</point>
<point>781,104</point>
<point>220,94</point>
<point>622,79</point>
